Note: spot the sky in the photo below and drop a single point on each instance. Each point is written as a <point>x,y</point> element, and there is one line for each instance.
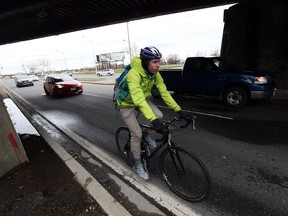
<point>184,34</point>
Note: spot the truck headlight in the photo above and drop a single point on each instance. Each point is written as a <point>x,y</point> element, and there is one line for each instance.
<point>260,80</point>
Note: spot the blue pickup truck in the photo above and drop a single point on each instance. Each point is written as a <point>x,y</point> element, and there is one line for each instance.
<point>213,77</point>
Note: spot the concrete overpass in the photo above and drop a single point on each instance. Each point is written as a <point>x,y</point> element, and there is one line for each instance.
<point>254,35</point>
<point>28,19</point>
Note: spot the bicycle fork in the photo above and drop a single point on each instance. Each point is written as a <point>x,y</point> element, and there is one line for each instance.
<point>177,162</point>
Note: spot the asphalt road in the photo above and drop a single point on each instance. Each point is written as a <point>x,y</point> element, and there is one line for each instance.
<point>245,150</point>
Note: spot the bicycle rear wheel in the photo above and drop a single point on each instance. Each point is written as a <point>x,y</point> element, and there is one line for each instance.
<point>185,174</point>
<point>123,137</point>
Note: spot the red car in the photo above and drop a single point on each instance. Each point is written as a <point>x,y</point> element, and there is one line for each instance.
<point>61,84</point>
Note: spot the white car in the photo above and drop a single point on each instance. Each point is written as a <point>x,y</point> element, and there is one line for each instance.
<point>34,77</point>
<point>108,72</point>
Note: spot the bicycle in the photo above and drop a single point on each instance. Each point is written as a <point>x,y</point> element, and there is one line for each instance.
<point>184,172</point>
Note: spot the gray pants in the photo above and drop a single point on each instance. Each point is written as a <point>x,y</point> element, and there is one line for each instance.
<point>129,118</point>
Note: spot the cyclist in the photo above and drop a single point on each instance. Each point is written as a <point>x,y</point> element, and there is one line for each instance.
<point>134,90</point>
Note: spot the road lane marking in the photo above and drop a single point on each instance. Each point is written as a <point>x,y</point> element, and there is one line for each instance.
<point>97,96</point>
<point>164,107</point>
<point>202,113</point>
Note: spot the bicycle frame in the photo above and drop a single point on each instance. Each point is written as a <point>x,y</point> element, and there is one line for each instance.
<point>152,153</point>
<point>166,139</point>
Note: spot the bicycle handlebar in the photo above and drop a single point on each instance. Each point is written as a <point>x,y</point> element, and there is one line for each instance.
<point>167,123</point>
<point>188,121</point>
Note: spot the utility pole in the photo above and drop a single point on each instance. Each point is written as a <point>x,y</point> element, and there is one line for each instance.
<point>94,56</point>
<point>128,35</point>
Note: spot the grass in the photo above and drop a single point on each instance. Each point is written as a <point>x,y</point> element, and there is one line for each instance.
<point>117,71</point>
<point>90,79</point>
<point>173,66</point>
<point>84,72</point>
<point>94,72</point>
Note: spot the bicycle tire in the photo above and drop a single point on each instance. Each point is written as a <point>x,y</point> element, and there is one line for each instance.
<point>123,137</point>
<point>194,183</point>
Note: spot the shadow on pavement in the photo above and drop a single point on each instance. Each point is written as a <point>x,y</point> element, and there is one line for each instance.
<point>45,186</point>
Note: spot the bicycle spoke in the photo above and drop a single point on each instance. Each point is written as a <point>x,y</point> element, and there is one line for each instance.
<point>184,174</point>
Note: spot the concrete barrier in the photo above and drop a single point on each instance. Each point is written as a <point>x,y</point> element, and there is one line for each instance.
<point>12,153</point>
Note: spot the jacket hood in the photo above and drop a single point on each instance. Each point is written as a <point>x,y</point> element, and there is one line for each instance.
<point>136,64</point>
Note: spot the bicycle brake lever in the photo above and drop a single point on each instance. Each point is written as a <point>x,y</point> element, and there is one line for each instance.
<point>193,124</point>
<point>192,119</point>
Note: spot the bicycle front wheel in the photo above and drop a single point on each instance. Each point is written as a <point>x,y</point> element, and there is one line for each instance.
<point>185,174</point>
<point>123,137</point>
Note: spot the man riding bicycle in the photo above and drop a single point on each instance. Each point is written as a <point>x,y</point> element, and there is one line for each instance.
<point>133,92</point>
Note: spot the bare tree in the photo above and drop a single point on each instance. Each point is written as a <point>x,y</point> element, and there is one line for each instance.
<point>24,68</point>
<point>32,68</point>
<point>41,65</point>
<point>215,52</point>
<point>200,53</point>
<point>135,50</point>
<point>173,59</point>
<point>44,65</point>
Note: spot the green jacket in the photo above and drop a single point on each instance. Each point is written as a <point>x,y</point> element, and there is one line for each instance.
<point>137,85</point>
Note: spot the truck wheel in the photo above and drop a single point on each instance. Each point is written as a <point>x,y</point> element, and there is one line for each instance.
<point>155,92</point>
<point>235,97</point>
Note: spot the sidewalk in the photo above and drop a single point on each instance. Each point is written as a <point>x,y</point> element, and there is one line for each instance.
<point>45,186</point>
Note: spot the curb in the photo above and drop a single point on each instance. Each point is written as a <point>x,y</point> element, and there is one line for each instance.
<point>87,181</point>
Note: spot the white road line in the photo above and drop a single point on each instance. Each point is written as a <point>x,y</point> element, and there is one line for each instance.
<point>164,107</point>
<point>97,96</point>
<point>202,113</point>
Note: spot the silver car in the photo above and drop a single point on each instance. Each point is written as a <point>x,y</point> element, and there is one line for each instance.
<point>23,80</point>
<point>108,72</point>
<point>34,77</point>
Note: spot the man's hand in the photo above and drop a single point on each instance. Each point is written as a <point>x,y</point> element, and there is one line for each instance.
<point>184,116</point>
<point>159,127</point>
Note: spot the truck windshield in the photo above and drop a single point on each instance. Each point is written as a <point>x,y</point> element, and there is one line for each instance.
<point>223,64</point>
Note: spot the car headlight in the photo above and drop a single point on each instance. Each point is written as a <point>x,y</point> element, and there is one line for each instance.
<point>260,80</point>
<point>59,86</point>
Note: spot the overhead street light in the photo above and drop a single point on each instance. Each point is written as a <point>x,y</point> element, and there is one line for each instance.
<point>129,45</point>
<point>81,59</point>
<point>63,58</point>
<point>94,56</point>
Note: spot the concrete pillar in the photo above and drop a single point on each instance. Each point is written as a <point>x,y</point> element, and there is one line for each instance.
<point>255,37</point>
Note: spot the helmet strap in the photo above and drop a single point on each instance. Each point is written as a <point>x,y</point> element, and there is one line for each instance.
<point>144,64</point>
